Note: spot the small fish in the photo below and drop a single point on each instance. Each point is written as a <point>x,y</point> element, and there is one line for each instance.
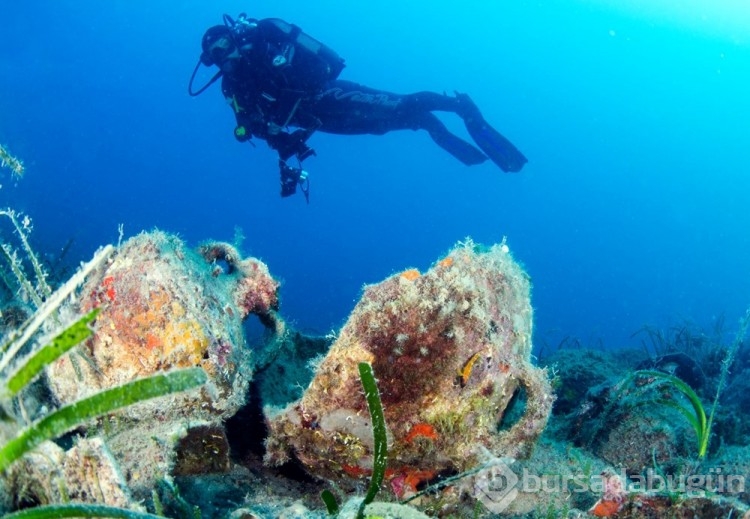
<point>465,372</point>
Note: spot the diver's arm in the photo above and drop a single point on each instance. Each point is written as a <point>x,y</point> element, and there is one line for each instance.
<point>250,120</point>
<point>257,115</point>
<point>291,144</point>
<point>251,124</point>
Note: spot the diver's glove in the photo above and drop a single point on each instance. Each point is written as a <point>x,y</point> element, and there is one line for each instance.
<point>242,134</point>
<point>288,144</point>
<point>291,177</point>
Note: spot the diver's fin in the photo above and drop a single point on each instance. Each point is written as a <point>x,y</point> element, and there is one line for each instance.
<point>459,148</point>
<point>499,149</point>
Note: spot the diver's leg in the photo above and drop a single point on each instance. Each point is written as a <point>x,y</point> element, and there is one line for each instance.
<point>349,108</point>
<point>431,101</point>
<point>499,149</point>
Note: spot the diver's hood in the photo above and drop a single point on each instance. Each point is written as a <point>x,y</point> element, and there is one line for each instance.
<point>235,31</point>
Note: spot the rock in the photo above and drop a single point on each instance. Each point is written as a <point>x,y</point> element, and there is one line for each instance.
<point>450,348</point>
<point>164,306</point>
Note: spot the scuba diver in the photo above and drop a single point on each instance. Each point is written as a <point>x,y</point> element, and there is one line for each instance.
<point>283,86</point>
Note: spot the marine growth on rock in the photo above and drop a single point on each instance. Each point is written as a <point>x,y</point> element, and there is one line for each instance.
<point>450,348</point>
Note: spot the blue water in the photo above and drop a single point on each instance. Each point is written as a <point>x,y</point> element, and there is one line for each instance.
<point>631,211</point>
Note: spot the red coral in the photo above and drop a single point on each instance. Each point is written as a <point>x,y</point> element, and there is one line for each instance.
<point>423,430</point>
<point>109,289</point>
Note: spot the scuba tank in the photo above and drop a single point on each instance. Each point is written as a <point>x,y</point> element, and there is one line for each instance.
<point>316,59</point>
<point>306,63</point>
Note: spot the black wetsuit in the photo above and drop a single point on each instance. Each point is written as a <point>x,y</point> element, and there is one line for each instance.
<point>345,107</point>
<point>286,86</point>
<point>270,99</point>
